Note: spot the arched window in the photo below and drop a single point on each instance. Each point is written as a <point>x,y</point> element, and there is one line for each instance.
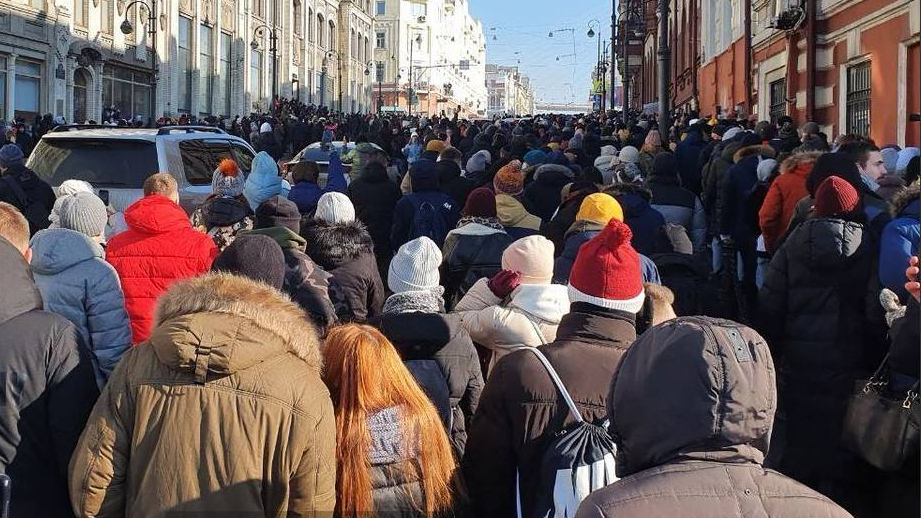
<point>298,21</point>
<point>333,43</point>
<point>352,43</point>
<point>321,38</point>
<point>367,48</point>
<point>310,25</point>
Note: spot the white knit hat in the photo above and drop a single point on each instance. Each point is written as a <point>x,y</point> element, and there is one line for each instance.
<point>415,266</point>
<point>731,133</point>
<point>629,155</point>
<point>265,128</point>
<point>73,187</point>
<point>335,208</point>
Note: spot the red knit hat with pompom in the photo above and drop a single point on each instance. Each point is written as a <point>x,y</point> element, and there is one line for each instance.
<point>607,271</point>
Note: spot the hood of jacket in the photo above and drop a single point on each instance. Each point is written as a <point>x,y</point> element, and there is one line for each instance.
<point>242,321</point>
<point>224,212</point>
<point>800,164</point>
<point>694,388</point>
<point>582,227</point>
<point>747,151</point>
<point>553,174</point>
<point>263,181</point>
<point>331,245</point>
<point>20,294</point>
<point>156,214</point>
<point>476,229</point>
<point>510,211</point>
<point>57,249</point>
<point>419,336</point>
<point>284,236</point>
<point>548,302</point>
<point>905,202</point>
<point>827,243</point>
<point>633,198</point>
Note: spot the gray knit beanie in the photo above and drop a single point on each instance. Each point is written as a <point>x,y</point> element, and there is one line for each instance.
<point>415,266</point>
<point>335,208</point>
<point>83,212</point>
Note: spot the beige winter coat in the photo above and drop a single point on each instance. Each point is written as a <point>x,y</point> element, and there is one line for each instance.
<point>529,317</point>
<point>221,410</point>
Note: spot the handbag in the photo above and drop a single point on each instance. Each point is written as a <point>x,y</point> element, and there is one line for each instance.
<point>881,426</point>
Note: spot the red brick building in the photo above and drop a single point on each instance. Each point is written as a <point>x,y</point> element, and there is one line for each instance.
<point>684,42</point>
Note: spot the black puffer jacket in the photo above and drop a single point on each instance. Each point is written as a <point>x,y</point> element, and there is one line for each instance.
<point>438,342</point>
<point>221,211</point>
<point>49,392</point>
<point>544,193</point>
<point>39,195</point>
<point>269,143</point>
<point>557,228</point>
<point>347,252</point>
<point>452,183</point>
<point>374,196</point>
<point>813,311</point>
<point>471,252</point>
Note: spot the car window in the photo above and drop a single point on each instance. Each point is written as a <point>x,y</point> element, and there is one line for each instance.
<point>101,162</point>
<point>201,157</point>
<point>244,157</point>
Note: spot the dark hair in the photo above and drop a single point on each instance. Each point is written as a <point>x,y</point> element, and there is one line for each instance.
<point>306,171</point>
<point>913,171</point>
<point>451,154</point>
<point>834,164</point>
<point>858,152</point>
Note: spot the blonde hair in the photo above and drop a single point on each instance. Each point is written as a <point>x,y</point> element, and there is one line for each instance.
<point>365,374</point>
<point>14,227</point>
<point>161,183</point>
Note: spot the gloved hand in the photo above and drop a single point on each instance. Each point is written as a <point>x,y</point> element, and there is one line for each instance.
<point>504,283</point>
<point>890,302</point>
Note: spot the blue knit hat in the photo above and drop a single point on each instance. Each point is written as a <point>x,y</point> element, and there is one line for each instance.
<point>11,154</point>
<point>535,158</point>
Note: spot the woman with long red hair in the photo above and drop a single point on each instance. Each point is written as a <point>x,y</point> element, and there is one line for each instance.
<point>387,430</point>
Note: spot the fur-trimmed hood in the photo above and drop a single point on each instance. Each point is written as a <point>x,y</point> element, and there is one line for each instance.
<point>902,199</point>
<point>800,163</point>
<point>621,189</point>
<point>243,321</point>
<point>333,245</point>
<point>747,151</point>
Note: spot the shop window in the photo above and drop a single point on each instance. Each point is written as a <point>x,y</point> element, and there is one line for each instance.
<point>26,105</point>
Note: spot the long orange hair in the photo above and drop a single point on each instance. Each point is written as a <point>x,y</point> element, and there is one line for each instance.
<point>365,374</point>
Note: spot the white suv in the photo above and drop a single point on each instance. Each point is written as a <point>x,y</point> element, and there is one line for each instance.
<point>116,161</point>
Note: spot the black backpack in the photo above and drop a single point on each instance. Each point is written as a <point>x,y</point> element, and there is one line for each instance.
<point>579,460</point>
<point>36,212</point>
<point>428,221</point>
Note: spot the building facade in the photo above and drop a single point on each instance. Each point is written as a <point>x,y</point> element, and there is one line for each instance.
<point>683,35</point>
<point>509,91</point>
<point>433,49</point>
<point>76,58</point>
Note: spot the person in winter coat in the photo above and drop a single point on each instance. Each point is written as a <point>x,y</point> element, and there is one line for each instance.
<point>644,221</point>
<point>159,248</point>
<point>477,166</point>
<point>814,313</point>
<point>605,164</point>
<point>712,180</point>
<point>900,238</point>
<point>342,246</point>
<point>77,283</point>
<point>434,346</point>
<point>254,256</point>
<point>521,410</point>
<point>518,306</point>
<point>49,376</point>
<point>508,185</point>
<point>544,193</point>
<point>688,154</point>
<point>783,195</point>
<point>305,282</point>
<point>450,180</point>
<point>652,147</point>
<point>474,249</point>
<point>263,181</point>
<point>413,150</point>
<point>268,142</point>
<point>627,169</point>
<point>677,205</point>
<point>392,454</point>
<point>305,193</point>
<point>374,197</point>
<point>254,379</point>
<point>426,210</point>
<point>23,189</point>
<point>573,196</point>
<point>225,213</point>
<point>680,452</point>
<point>685,274</point>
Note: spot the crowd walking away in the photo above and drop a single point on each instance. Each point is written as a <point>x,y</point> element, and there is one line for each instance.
<point>590,316</point>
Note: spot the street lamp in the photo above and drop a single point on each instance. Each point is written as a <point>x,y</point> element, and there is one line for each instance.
<point>330,54</point>
<point>127,28</point>
<point>258,32</point>
<point>418,41</point>
<point>591,34</point>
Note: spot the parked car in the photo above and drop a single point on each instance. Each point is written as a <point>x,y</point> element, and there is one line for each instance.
<point>116,161</point>
<point>319,153</point>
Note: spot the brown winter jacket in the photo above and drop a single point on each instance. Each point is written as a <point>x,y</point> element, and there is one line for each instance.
<point>221,410</point>
<point>691,410</point>
<point>521,410</point>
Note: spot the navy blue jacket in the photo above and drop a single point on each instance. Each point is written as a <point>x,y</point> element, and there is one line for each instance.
<point>306,194</point>
<point>688,155</point>
<point>738,183</point>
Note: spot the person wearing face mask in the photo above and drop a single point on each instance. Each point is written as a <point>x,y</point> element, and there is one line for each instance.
<point>870,164</point>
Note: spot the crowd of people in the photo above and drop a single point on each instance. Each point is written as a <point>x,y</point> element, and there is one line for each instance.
<point>550,316</point>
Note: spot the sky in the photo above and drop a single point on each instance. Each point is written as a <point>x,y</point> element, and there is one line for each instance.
<point>521,27</point>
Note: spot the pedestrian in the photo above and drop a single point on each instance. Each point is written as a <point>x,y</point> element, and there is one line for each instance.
<point>374,197</point>
<point>627,169</point>
<point>342,246</point>
<point>900,238</point>
<point>476,167</point>
<point>77,283</point>
<point>225,212</point>
<point>680,442</point>
<point>267,142</point>
<point>652,147</point>
<point>257,424</point>
<point>815,314</point>
<point>450,180</point>
<point>517,306</point>
<point>434,346</point>
<point>159,248</point>
<point>783,195</point>
<point>23,189</point>
<point>263,181</point>
<point>474,249</point>
<point>544,193</point>
<point>905,156</point>
<point>521,410</point>
<point>573,196</point>
<point>508,185</point>
<point>870,165</point>
<point>413,150</point>
<point>306,191</point>
<point>644,221</point>
<point>605,164</point>
<point>305,282</point>
<point>254,256</point>
<point>678,205</point>
<point>392,454</point>
<point>427,211</point>
<point>49,378</point>
<point>594,214</point>
<point>688,153</point>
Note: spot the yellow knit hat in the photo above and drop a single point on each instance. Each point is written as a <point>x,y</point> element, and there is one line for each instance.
<point>600,208</point>
<point>435,145</point>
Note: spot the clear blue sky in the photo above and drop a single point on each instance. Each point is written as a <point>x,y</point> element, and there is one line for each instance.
<point>522,26</point>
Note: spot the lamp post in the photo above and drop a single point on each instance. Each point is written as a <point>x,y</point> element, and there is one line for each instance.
<point>418,41</point>
<point>664,58</point>
<point>613,48</point>
<point>273,48</point>
<point>591,34</point>
<point>330,54</point>
<point>367,74</point>
<point>128,28</point>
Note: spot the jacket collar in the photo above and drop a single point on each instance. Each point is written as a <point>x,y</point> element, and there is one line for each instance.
<point>595,325</point>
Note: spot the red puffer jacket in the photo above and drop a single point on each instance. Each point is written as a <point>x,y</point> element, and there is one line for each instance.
<point>159,248</point>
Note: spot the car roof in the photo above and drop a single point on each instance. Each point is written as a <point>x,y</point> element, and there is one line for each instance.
<point>148,134</point>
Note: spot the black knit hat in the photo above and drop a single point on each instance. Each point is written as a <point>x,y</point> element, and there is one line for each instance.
<point>253,256</point>
<point>278,211</point>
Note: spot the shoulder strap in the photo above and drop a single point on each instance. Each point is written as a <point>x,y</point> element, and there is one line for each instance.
<point>540,334</point>
<point>559,384</point>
